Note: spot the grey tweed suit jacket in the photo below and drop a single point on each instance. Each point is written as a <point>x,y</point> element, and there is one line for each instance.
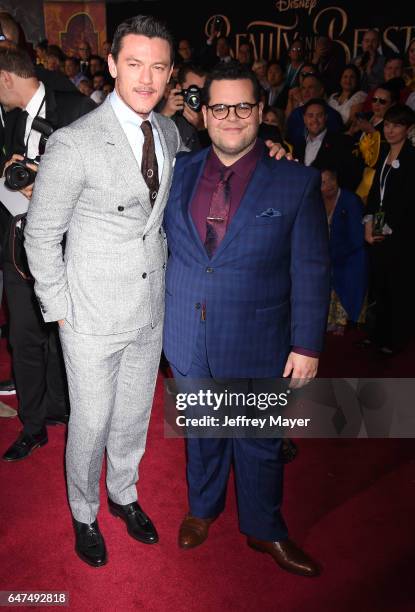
<point>89,187</point>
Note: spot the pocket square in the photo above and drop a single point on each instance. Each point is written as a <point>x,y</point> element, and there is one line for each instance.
<point>269,212</point>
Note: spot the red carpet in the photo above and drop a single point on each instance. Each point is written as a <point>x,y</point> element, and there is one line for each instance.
<point>350,503</point>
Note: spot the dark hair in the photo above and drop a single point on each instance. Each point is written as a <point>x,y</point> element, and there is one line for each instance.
<point>56,51</point>
<point>96,57</point>
<point>356,73</point>
<point>400,114</point>
<point>42,44</point>
<point>186,68</point>
<point>17,61</point>
<point>73,59</point>
<point>143,25</point>
<point>391,88</point>
<point>318,101</point>
<point>395,56</point>
<point>231,71</point>
<point>315,76</point>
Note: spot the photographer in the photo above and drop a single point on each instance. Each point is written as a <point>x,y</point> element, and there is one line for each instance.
<point>183,105</point>
<point>37,364</point>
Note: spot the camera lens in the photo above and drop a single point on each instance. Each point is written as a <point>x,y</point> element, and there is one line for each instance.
<point>17,176</point>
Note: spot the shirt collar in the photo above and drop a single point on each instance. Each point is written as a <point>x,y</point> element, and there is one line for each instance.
<point>34,105</point>
<point>243,166</point>
<point>318,138</point>
<point>125,114</point>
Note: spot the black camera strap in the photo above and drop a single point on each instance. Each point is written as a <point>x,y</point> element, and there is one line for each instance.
<point>31,129</point>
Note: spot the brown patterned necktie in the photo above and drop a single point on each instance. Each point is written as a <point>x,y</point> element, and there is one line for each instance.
<point>217,219</point>
<point>149,166</point>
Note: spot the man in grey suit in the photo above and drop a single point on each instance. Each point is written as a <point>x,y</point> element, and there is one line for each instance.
<point>108,291</point>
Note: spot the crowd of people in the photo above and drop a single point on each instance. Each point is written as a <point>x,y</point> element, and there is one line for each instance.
<point>351,123</point>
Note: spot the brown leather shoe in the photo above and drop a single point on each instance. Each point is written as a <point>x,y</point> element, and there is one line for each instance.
<point>193,531</point>
<point>288,556</point>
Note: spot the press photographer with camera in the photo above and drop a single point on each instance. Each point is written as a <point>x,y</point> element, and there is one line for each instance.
<point>37,363</point>
<point>183,105</point>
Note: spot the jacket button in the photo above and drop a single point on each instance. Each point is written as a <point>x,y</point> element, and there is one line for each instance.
<point>144,275</point>
<point>121,208</point>
<point>198,306</point>
<point>209,270</point>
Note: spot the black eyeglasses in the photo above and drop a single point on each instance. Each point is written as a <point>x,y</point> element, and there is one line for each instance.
<point>243,110</point>
<point>308,73</point>
<point>296,49</point>
<point>382,101</point>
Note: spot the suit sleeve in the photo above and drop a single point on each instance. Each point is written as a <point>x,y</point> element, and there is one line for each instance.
<point>310,270</point>
<point>58,186</point>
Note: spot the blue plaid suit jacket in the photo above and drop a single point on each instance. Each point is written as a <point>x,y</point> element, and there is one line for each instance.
<point>267,286</point>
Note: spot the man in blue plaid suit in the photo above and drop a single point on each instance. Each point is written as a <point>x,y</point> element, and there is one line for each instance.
<point>247,292</point>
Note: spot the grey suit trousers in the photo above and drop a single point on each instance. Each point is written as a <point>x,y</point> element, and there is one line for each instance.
<point>111,382</point>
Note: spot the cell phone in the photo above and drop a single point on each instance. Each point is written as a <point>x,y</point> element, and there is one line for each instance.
<point>361,116</point>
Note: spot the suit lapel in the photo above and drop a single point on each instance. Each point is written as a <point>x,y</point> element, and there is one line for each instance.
<point>191,178</point>
<point>122,156</point>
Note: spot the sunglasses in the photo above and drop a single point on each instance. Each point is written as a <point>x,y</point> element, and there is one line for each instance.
<point>380,101</point>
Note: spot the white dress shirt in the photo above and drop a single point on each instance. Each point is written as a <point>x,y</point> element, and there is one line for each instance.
<point>312,147</point>
<point>131,124</point>
<point>35,108</point>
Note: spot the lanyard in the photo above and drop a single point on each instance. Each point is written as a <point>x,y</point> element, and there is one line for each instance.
<point>382,182</point>
<point>291,79</point>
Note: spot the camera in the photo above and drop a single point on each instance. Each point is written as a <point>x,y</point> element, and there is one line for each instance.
<point>18,175</point>
<point>192,97</point>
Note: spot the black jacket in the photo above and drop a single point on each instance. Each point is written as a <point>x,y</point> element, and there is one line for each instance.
<point>336,153</point>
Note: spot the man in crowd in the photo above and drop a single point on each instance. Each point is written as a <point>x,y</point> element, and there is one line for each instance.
<point>37,362</point>
<point>322,149</point>
<point>370,62</point>
<point>247,290</point>
<point>188,119</point>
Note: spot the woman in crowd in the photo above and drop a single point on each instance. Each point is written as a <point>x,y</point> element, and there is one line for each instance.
<point>347,253</point>
<point>389,229</point>
<point>367,132</point>
<point>260,69</point>
<point>349,100</point>
<point>293,68</point>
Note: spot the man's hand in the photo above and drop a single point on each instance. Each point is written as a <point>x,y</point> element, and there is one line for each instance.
<point>61,322</point>
<point>27,191</point>
<point>302,369</point>
<point>277,150</point>
<point>196,119</point>
<point>174,103</point>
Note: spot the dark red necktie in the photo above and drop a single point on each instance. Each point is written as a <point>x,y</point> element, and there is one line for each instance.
<point>217,220</point>
<point>149,166</point>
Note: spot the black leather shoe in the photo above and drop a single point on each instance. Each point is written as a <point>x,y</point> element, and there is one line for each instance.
<point>25,445</point>
<point>139,525</point>
<point>89,544</point>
